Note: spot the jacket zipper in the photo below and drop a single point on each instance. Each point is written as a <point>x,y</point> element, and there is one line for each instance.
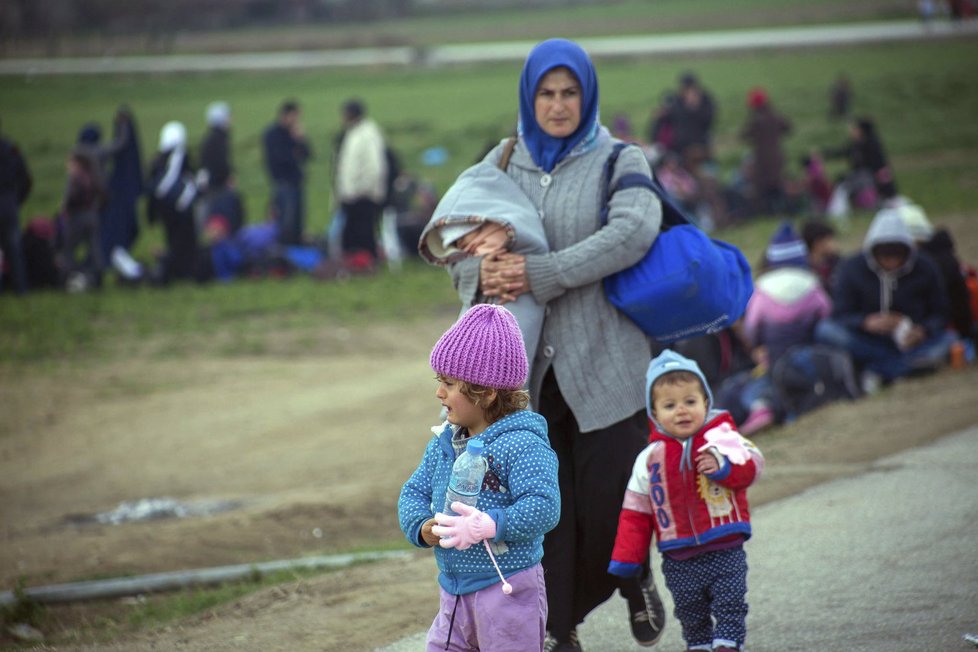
<point>689,503</point>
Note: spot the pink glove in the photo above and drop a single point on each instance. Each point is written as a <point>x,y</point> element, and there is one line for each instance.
<point>471,526</point>
<point>727,442</point>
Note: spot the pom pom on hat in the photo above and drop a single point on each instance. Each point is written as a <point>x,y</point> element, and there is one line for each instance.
<point>786,248</point>
<point>484,347</point>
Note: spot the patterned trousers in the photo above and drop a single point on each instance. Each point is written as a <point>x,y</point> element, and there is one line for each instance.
<point>709,592</point>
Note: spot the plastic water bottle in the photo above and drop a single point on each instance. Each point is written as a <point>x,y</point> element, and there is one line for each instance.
<point>467,475</point>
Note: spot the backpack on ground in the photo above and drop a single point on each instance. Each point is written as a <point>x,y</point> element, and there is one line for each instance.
<point>687,284</point>
<point>808,376</point>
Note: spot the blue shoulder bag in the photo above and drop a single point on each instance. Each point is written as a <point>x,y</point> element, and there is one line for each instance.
<point>687,284</point>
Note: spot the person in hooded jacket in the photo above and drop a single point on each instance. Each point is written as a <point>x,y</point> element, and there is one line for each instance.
<point>787,303</point>
<point>171,195</point>
<point>890,307</point>
<point>585,380</point>
<point>689,488</point>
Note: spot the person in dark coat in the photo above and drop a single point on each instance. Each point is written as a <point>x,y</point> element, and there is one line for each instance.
<point>823,250</point>
<point>692,117</point>
<point>764,131</point>
<point>286,153</point>
<point>840,97</point>
<point>867,160</point>
<point>938,244</point>
<point>15,185</point>
<point>215,148</point>
<point>216,176</point>
<point>83,201</point>
<point>119,221</point>
<point>172,191</point>
<point>890,307</point>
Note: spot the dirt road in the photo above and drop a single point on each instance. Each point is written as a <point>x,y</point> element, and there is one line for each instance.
<point>317,445</point>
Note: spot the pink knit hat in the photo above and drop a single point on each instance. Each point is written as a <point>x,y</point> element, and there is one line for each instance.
<point>484,347</point>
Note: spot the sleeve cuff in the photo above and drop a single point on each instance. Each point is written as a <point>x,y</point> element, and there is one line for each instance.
<point>541,272</point>
<point>499,516</point>
<point>723,472</point>
<point>624,569</point>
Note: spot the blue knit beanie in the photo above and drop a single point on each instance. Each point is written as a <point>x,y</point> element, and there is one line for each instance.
<point>667,362</point>
<point>786,248</point>
<point>484,347</point>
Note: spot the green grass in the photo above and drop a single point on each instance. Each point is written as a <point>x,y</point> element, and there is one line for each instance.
<point>922,95</point>
<point>223,319</point>
<point>103,621</point>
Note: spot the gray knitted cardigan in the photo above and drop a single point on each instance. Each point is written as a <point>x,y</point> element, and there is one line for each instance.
<point>599,357</point>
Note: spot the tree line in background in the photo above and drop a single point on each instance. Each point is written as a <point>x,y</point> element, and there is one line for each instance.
<point>48,18</point>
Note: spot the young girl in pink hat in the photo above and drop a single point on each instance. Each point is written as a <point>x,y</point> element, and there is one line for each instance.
<point>481,368</point>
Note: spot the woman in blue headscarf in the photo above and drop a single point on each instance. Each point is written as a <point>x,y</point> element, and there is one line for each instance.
<point>588,373</point>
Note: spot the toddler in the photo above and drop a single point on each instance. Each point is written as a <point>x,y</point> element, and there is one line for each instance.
<point>483,213</point>
<point>481,367</point>
<point>689,487</point>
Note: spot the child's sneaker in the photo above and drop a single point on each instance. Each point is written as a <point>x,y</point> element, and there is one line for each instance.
<point>871,382</point>
<point>758,419</point>
<point>648,622</point>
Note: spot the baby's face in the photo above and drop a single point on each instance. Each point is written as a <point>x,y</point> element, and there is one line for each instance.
<point>680,408</point>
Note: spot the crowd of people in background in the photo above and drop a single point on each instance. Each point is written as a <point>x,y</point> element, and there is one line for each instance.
<point>822,326</point>
<point>812,332</point>
<point>191,194</point>
<point>378,208</point>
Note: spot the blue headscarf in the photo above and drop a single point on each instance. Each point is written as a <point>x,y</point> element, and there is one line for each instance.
<point>546,150</point>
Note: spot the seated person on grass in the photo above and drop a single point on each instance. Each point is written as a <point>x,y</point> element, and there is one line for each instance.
<point>890,307</point>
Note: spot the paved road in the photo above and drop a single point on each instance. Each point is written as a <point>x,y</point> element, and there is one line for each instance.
<point>883,561</point>
<point>783,37</point>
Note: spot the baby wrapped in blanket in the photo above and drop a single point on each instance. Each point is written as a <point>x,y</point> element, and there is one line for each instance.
<point>485,212</point>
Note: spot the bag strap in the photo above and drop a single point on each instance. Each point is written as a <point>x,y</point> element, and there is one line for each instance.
<point>507,153</point>
<point>672,213</point>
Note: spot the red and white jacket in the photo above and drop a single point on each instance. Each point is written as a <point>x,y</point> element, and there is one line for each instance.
<point>684,508</point>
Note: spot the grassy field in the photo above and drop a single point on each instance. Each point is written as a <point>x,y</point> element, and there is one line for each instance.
<point>922,95</point>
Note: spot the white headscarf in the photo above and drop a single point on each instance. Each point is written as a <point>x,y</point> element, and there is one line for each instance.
<point>173,140</point>
<point>218,114</point>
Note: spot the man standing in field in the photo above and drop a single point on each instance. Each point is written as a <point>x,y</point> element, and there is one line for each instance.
<point>361,184</point>
<point>286,153</point>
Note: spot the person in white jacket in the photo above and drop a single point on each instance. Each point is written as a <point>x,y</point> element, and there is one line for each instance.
<point>361,183</point>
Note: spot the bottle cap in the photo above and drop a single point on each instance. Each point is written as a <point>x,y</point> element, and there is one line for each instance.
<point>475,447</point>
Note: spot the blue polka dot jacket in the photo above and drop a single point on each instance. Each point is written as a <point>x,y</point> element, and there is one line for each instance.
<point>519,492</point>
